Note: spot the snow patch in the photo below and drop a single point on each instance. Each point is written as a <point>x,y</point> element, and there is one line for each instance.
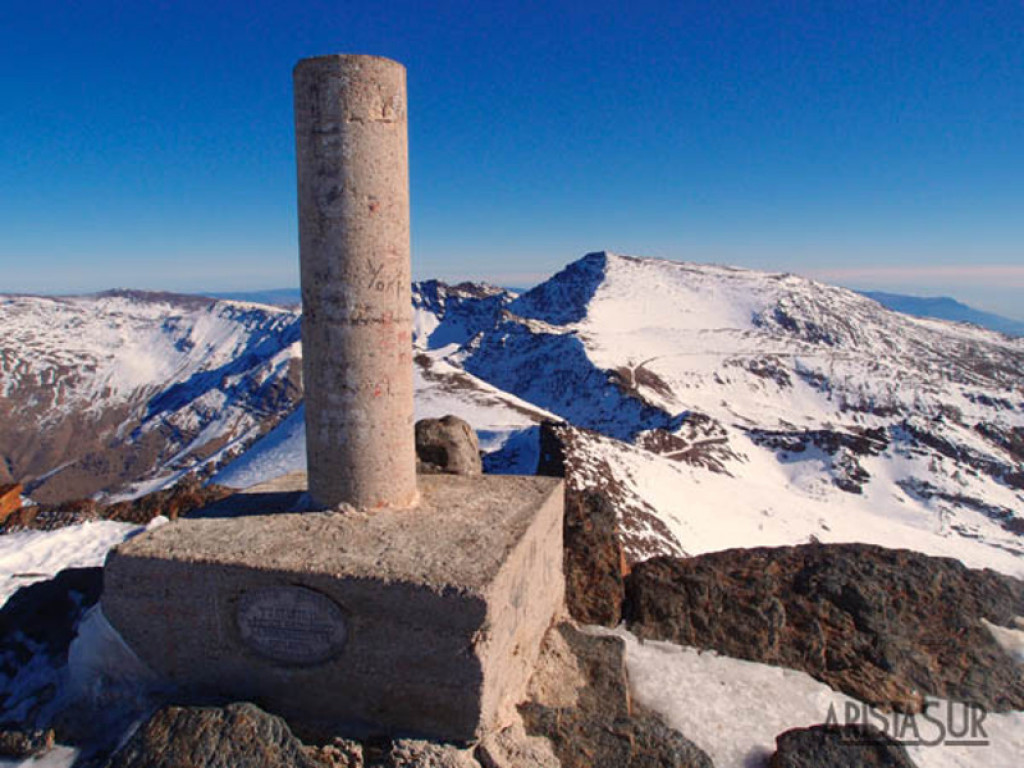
<point>734,709</point>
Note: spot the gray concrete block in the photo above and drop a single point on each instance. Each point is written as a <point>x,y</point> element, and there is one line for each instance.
<point>420,621</point>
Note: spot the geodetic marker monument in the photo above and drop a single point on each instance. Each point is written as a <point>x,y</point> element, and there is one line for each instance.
<point>394,604</point>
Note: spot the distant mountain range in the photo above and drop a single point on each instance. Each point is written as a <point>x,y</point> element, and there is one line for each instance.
<point>281,297</point>
<point>937,307</point>
<point>714,407</point>
<point>945,308</point>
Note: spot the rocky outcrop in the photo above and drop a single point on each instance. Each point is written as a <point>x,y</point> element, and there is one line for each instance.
<point>884,626</point>
<point>606,527</point>
<point>217,737</point>
<point>10,499</point>
<point>189,494</point>
<point>838,746</point>
<point>844,449</point>
<point>449,445</point>
<point>594,561</point>
<point>23,744</point>
<point>698,440</point>
<point>579,700</point>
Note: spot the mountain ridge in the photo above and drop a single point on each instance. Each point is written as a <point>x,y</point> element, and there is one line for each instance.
<point>685,385</point>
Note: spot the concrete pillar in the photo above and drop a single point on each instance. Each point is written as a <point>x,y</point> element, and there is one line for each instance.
<point>353,184</point>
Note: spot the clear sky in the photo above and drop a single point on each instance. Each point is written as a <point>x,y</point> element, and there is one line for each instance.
<point>873,143</point>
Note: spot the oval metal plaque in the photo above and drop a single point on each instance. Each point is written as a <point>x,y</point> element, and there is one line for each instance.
<point>292,625</point>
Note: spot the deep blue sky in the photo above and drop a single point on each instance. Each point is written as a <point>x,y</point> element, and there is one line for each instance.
<point>870,143</point>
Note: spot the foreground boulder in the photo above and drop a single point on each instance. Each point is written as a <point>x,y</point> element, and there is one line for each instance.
<point>884,626</point>
<point>448,444</point>
<point>23,744</point>
<point>416,753</point>
<point>594,562</point>
<point>218,737</point>
<point>838,746</point>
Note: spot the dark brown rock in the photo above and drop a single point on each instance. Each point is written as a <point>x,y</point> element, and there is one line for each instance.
<point>838,746</point>
<point>217,737</point>
<point>884,626</point>
<point>22,744</point>
<point>448,444</point>
<point>187,495</point>
<point>416,753</point>
<point>598,725</point>
<point>341,753</point>
<point>594,562</point>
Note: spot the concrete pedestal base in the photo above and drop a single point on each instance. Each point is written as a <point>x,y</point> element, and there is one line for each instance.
<point>423,621</point>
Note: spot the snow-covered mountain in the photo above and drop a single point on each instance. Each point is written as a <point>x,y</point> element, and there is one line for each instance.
<point>707,408</point>
<point>745,407</point>
<point>946,308</point>
<point>102,391</point>
<point>719,407</point>
<point>723,407</point>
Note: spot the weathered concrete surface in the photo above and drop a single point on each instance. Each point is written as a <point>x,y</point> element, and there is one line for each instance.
<point>353,195</point>
<point>444,605</point>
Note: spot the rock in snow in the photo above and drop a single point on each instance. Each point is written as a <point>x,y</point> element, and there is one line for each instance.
<point>580,701</point>
<point>839,746</point>
<point>885,626</point>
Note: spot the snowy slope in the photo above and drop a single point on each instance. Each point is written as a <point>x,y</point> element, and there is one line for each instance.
<point>946,308</point>
<point>745,408</point>
<point>766,502</point>
<point>97,391</point>
<point>745,705</point>
<point>30,556</point>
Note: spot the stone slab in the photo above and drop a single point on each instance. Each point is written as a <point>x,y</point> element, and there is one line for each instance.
<point>423,621</point>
